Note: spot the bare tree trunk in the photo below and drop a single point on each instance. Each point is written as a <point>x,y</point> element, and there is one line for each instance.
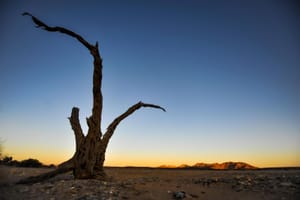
<point>89,156</point>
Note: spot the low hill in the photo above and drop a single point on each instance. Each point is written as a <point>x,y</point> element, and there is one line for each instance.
<point>215,166</point>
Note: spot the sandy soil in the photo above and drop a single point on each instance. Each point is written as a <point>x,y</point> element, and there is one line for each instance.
<point>143,183</point>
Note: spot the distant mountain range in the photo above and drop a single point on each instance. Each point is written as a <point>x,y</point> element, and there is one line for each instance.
<point>215,166</point>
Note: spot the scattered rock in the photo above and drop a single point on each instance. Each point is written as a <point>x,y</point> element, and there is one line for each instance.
<point>24,189</point>
<point>87,197</point>
<point>286,184</point>
<point>206,181</point>
<point>194,195</point>
<point>179,195</point>
<point>262,184</point>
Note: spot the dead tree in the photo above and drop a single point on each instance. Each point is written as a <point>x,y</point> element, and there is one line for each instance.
<point>88,160</point>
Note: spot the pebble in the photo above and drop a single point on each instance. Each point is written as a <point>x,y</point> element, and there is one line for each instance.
<point>206,181</point>
<point>286,184</point>
<point>179,195</point>
<point>87,197</point>
<point>25,189</point>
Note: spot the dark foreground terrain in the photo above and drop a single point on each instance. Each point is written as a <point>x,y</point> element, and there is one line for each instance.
<point>144,183</point>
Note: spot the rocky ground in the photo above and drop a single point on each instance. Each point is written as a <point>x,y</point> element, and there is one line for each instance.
<point>143,183</point>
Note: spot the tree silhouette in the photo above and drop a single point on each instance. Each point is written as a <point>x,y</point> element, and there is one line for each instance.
<point>30,162</point>
<point>88,160</point>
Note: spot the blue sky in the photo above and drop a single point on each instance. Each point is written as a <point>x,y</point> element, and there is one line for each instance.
<point>226,71</point>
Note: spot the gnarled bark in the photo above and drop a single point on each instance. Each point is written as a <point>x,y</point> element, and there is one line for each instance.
<point>89,156</point>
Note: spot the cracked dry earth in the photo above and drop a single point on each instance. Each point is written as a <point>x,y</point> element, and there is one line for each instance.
<point>144,183</point>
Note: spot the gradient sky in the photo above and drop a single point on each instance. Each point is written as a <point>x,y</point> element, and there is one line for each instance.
<point>227,72</point>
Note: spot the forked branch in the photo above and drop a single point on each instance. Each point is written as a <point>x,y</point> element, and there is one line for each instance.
<point>111,128</point>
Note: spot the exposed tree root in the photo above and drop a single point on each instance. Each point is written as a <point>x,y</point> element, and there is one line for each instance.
<point>62,168</point>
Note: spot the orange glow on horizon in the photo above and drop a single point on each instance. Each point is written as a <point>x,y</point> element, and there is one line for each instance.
<point>151,160</point>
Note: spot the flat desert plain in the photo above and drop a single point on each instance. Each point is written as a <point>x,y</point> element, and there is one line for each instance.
<point>148,183</point>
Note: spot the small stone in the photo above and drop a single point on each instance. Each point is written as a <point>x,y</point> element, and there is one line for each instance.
<point>286,184</point>
<point>87,197</point>
<point>25,189</point>
<point>238,189</point>
<point>179,195</point>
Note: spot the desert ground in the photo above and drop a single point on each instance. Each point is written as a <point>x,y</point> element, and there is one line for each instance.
<point>147,183</point>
